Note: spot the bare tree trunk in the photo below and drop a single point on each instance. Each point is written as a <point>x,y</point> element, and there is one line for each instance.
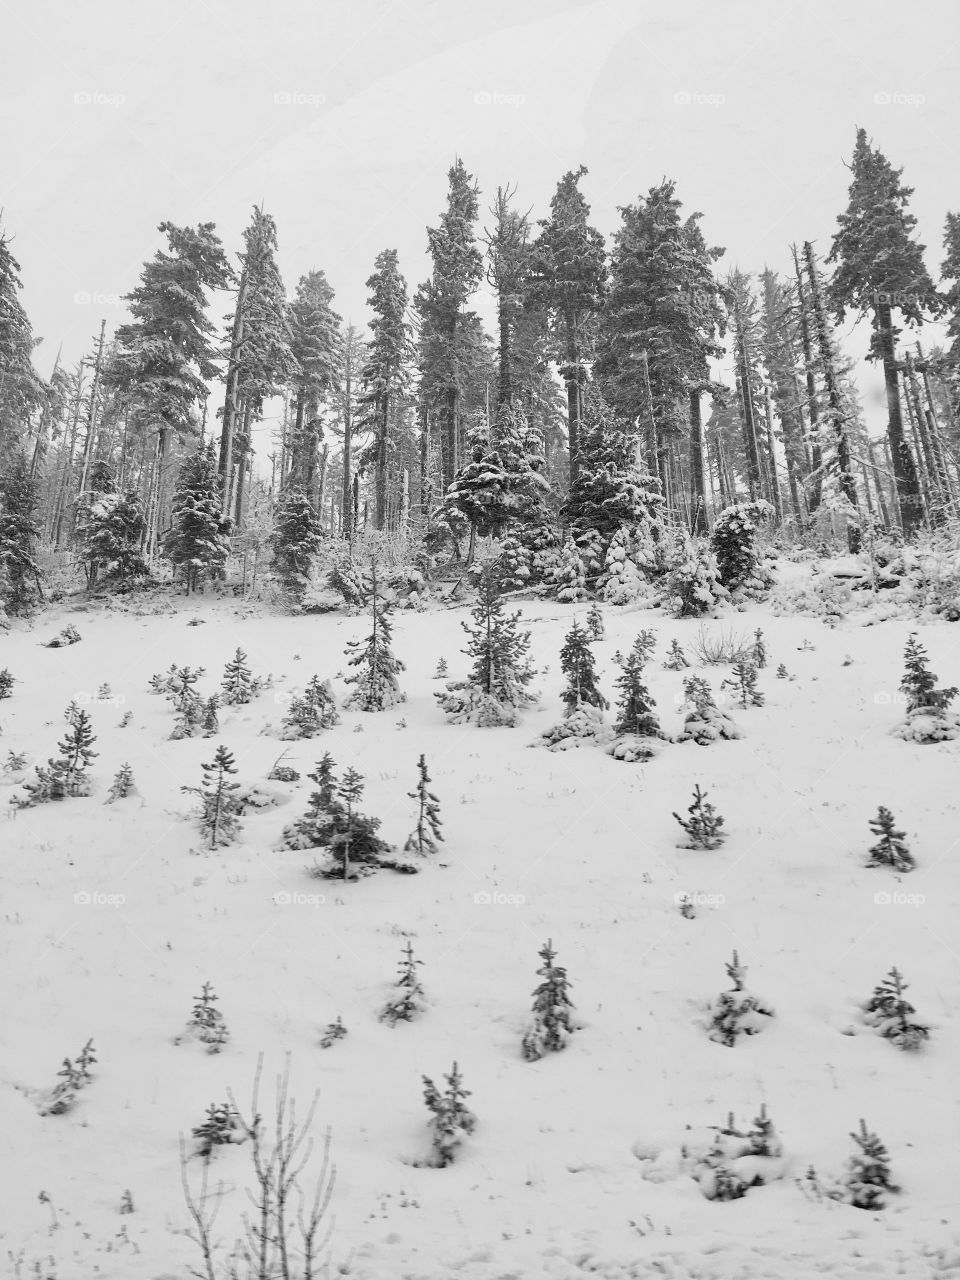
<point>909,498</point>
<point>225,465</point>
<point>815,488</point>
<point>698,502</point>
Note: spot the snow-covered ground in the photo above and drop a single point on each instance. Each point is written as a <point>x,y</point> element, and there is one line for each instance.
<point>113,916</point>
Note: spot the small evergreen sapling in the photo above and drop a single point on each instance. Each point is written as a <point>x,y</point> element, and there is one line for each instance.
<point>377,687</point>
<point>441,672</point>
<point>693,585</point>
<point>220,806</point>
<point>868,1172</point>
<point>704,825</point>
<point>891,849</point>
<point>595,623</point>
<point>783,673</point>
<point>206,1021</point>
<point>67,774</point>
<point>676,659</point>
<point>758,650</point>
<point>891,1014</point>
<point>928,716</point>
<point>635,714</point>
<point>736,1012</point>
<point>239,685</point>
<point>737,1161</point>
<point>426,834</point>
<point>221,1126</point>
<point>578,665</point>
<point>570,576</point>
<point>310,713</point>
<point>6,683</point>
<point>335,1031</point>
<point>122,785</point>
<point>74,1076</point>
<point>551,1027</point>
<point>743,684</point>
<point>451,1120</point>
<point>409,1001</point>
<point>704,722</point>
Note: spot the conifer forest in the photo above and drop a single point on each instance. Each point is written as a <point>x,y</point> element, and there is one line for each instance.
<point>486,484</point>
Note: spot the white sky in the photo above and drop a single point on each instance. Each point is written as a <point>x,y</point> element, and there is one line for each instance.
<point>181,122</point>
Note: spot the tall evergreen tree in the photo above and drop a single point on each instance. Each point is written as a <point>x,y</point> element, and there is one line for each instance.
<point>578,665</point>
<point>880,269</point>
<point>377,687</point>
<point>297,536</point>
<point>448,331</point>
<point>567,281</point>
<point>20,576</point>
<point>385,377</point>
<point>744,321</point>
<point>316,346</point>
<point>197,543</point>
<point>21,388</point>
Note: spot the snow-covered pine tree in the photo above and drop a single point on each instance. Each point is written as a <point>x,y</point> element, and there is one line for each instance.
<point>69,770</point>
<point>20,577</point>
<point>209,719</point>
<point>635,714</point>
<point>621,581</point>
<point>891,848</point>
<point>551,1027</point>
<point>451,1120</point>
<point>206,1022</point>
<point>928,716</point>
<point>743,684</point>
<point>736,1012</point>
<point>426,834</point>
<point>570,577</point>
<point>496,689</point>
<point>868,1172</point>
<point>595,623</point>
<point>693,584</point>
<point>220,807</point>
<point>892,1014</point>
<point>513,564</point>
<point>704,825</point>
<point>758,650</point>
<point>735,545</point>
<point>7,681</point>
<point>239,685</point>
<point>410,998</point>
<point>377,687</point>
<point>676,659</point>
<point>704,722</point>
<point>578,665</point>
<point>297,538</point>
<point>220,1127</point>
<point>311,712</point>
<point>122,785</point>
<point>111,537</point>
<point>197,543</point>
<point>441,672</point>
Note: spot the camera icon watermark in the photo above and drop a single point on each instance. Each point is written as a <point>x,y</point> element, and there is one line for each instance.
<point>493,98</point>
<point>94,98</point>
<point>894,898</point>
<point>897,98</point>
<point>686,98</point>
<point>294,98</point>
<point>698,899</point>
<point>294,898</point>
<point>93,898</point>
<point>494,898</point>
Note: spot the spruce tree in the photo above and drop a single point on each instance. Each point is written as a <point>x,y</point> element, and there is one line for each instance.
<point>23,390</point>
<point>693,583</point>
<point>111,538</point>
<point>704,722</point>
<point>220,807</point>
<point>317,347</point>
<point>704,825</point>
<point>892,1014</point>
<point>595,622</point>
<point>919,682</point>
<point>551,1028</point>
<point>496,689</point>
<point>7,681</point>
<point>635,713</point>
<point>385,376</point>
<point>566,282</point>
<point>735,544</point>
<point>122,785</point>
<point>311,712</point>
<point>452,1120</point>
<point>409,1001</point>
<point>426,834</point>
<point>578,665</point>
<point>69,770</point>
<point>377,687</point>
<point>297,537</point>
<point>880,269</point>
<point>891,847</point>
<point>736,1012</point>
<point>570,576</point>
<point>868,1172</point>
<point>206,1021</point>
<point>676,659</point>
<point>743,684</point>
<point>239,685</point>
<point>197,544</point>
<point>20,576</point>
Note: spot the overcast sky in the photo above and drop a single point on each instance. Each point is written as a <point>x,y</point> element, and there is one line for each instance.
<point>344,117</point>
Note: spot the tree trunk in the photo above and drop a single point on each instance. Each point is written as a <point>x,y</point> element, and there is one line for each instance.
<point>774,481</point>
<point>698,501</point>
<point>383,427</point>
<point>348,450</point>
<point>909,499</point>
<point>225,463</point>
<point>815,489</point>
<point>571,376</point>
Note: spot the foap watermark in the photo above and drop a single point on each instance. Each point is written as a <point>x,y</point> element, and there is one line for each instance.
<point>686,98</point>
<point>890,698</point>
<point>698,899</point>
<point>94,898</point>
<point>494,898</point>
<point>294,98</point>
<point>493,98</point>
<point>895,898</point>
<point>94,98</point>
<point>83,298</point>
<point>296,899</point>
<point>897,98</point>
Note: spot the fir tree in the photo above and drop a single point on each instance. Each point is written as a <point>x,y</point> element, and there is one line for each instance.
<point>578,665</point>
<point>635,714</point>
<point>880,268</point>
<point>693,583</point>
<point>238,684</point>
<point>736,1012</point>
<point>69,770</point>
<point>892,1014</point>
<point>919,682</point>
<point>704,825</point>
<point>219,804</point>
<point>74,1076</point>
<point>409,1002</point>
<point>496,688</point>
<point>441,672</point>
<point>209,720</point>
<point>7,681</point>
<point>551,1028</point>
<point>891,848</point>
<point>312,712</point>
<point>570,577</point>
<point>316,344</point>
<point>122,785</point>
<point>704,722</point>
<point>111,537</point>
<point>377,688</point>
<point>206,1021</point>
<point>426,835</point>
<point>23,390</point>
<point>20,576</point>
<point>452,1120</point>
<point>197,544</point>
<point>297,537</point>
<point>335,1031</point>
<point>734,543</point>
<point>221,1126</point>
<point>595,622</point>
<point>621,581</point>
<point>868,1172</point>
<point>783,673</point>
<point>743,683</point>
<point>758,650</point>
<point>676,659</point>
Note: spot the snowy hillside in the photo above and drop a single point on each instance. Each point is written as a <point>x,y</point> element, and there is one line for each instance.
<point>114,916</point>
